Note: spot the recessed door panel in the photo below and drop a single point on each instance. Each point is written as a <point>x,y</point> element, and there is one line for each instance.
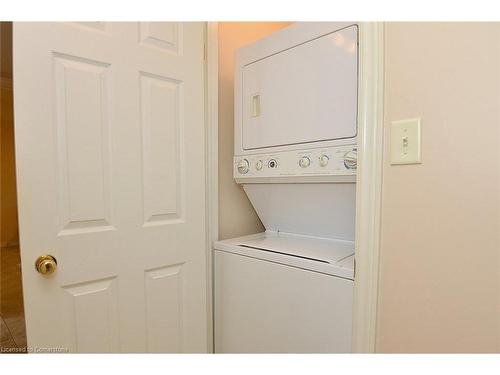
<point>164,297</point>
<point>161,113</point>
<point>304,94</point>
<point>81,92</point>
<point>93,316</point>
<point>166,36</point>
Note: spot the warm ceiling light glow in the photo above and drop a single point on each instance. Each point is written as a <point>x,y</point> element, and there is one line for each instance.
<point>352,47</point>
<point>338,39</point>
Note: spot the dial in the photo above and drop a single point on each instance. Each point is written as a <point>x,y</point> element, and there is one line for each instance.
<point>304,161</point>
<point>323,160</point>
<point>243,166</point>
<point>272,163</point>
<point>259,165</point>
<point>351,159</point>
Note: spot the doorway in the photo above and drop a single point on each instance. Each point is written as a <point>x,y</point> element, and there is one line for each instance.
<point>13,331</point>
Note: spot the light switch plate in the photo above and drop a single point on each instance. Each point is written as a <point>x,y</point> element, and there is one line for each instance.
<point>405,141</point>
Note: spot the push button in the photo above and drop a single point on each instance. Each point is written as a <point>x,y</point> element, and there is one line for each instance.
<point>304,162</point>
<point>259,165</point>
<point>323,160</point>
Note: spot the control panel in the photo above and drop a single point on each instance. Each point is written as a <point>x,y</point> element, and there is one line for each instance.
<point>330,161</point>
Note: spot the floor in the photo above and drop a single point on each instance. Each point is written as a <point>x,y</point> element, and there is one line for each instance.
<point>13,330</point>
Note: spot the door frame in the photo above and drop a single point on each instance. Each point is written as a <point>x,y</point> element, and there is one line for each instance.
<point>212,163</point>
<point>368,187</point>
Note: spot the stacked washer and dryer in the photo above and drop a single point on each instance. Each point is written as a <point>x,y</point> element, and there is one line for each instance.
<point>290,288</point>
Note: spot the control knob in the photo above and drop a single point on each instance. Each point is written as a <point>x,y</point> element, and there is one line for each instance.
<point>351,159</point>
<point>243,166</point>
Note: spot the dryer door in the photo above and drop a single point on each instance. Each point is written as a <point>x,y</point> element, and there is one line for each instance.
<point>303,94</point>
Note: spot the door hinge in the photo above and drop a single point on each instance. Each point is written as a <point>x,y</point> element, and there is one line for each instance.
<point>204,52</point>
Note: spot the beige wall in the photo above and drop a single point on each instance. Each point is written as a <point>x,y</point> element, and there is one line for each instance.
<point>8,202</point>
<point>236,215</point>
<point>440,220</point>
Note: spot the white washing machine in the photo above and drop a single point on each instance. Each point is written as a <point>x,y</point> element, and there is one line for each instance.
<point>290,289</point>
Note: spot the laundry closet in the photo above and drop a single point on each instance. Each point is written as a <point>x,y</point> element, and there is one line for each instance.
<point>290,287</point>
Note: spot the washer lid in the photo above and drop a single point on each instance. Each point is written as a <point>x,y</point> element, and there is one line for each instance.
<point>310,253</point>
<point>323,250</point>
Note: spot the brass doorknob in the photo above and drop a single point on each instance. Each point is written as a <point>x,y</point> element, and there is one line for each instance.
<point>46,264</point>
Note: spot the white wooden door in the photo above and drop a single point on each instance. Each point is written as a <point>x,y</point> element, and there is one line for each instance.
<point>110,147</point>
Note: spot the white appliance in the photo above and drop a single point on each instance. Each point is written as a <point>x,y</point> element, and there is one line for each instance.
<point>290,288</point>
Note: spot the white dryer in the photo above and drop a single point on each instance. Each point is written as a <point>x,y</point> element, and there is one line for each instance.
<point>290,289</point>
